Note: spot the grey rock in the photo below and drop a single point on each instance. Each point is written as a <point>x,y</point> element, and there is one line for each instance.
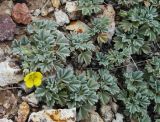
<point>119,118</point>
<point>61,17</point>
<point>5,120</point>
<point>37,12</point>
<point>31,99</point>
<point>71,6</point>
<point>93,117</point>
<point>106,112</point>
<point>7,28</point>
<point>9,70</point>
<point>72,10</point>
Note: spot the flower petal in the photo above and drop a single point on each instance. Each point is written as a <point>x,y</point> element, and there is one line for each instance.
<point>38,75</point>
<point>37,81</point>
<point>29,83</point>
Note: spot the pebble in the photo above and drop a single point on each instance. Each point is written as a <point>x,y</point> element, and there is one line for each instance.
<point>61,17</point>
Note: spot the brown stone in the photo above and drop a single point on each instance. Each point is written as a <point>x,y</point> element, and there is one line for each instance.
<point>23,112</point>
<point>21,13</point>
<point>7,28</point>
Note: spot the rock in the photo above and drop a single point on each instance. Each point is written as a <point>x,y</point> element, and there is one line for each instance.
<point>21,13</point>
<point>63,1</point>
<point>8,103</point>
<point>23,112</point>
<point>72,10</point>
<point>56,3</point>
<point>7,28</point>
<point>93,117</point>
<point>54,115</point>
<point>61,17</point>
<point>31,99</point>
<point>5,120</point>
<point>106,112</point>
<point>119,118</point>
<point>71,6</point>
<point>9,70</point>
<point>6,7</point>
<point>77,26</point>
<point>114,107</point>
<point>37,12</point>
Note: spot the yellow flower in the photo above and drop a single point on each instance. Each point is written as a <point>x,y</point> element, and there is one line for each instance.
<point>33,79</point>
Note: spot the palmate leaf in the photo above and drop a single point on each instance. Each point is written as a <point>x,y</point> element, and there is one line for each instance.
<point>104,97</point>
<point>89,6</point>
<point>85,57</point>
<point>45,49</point>
<point>64,75</point>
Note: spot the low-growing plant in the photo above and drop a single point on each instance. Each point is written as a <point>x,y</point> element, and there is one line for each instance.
<point>44,49</point>
<point>113,58</point>
<point>153,77</point>
<point>89,7</point>
<point>138,29</point>
<point>82,47</point>
<point>135,96</point>
<point>71,90</point>
<point>108,86</point>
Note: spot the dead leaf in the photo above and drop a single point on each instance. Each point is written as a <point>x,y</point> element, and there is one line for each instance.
<point>102,38</point>
<point>56,3</point>
<point>77,26</point>
<point>147,4</point>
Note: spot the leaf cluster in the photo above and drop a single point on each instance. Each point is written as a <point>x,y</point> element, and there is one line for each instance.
<point>89,7</point>
<point>135,95</point>
<point>45,49</point>
<point>138,29</point>
<point>82,90</point>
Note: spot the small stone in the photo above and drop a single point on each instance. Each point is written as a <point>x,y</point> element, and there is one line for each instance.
<point>8,103</point>
<point>5,120</point>
<point>114,107</point>
<point>119,118</point>
<point>72,10</point>
<point>37,12</point>
<point>93,117</point>
<point>106,112</point>
<point>6,7</point>
<point>23,112</point>
<point>44,12</point>
<point>21,13</point>
<point>7,28</point>
<point>61,17</point>
<point>54,115</point>
<point>31,99</point>
<point>56,3</point>
<point>71,6</point>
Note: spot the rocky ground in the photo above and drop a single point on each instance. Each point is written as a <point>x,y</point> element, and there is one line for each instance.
<point>18,104</point>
